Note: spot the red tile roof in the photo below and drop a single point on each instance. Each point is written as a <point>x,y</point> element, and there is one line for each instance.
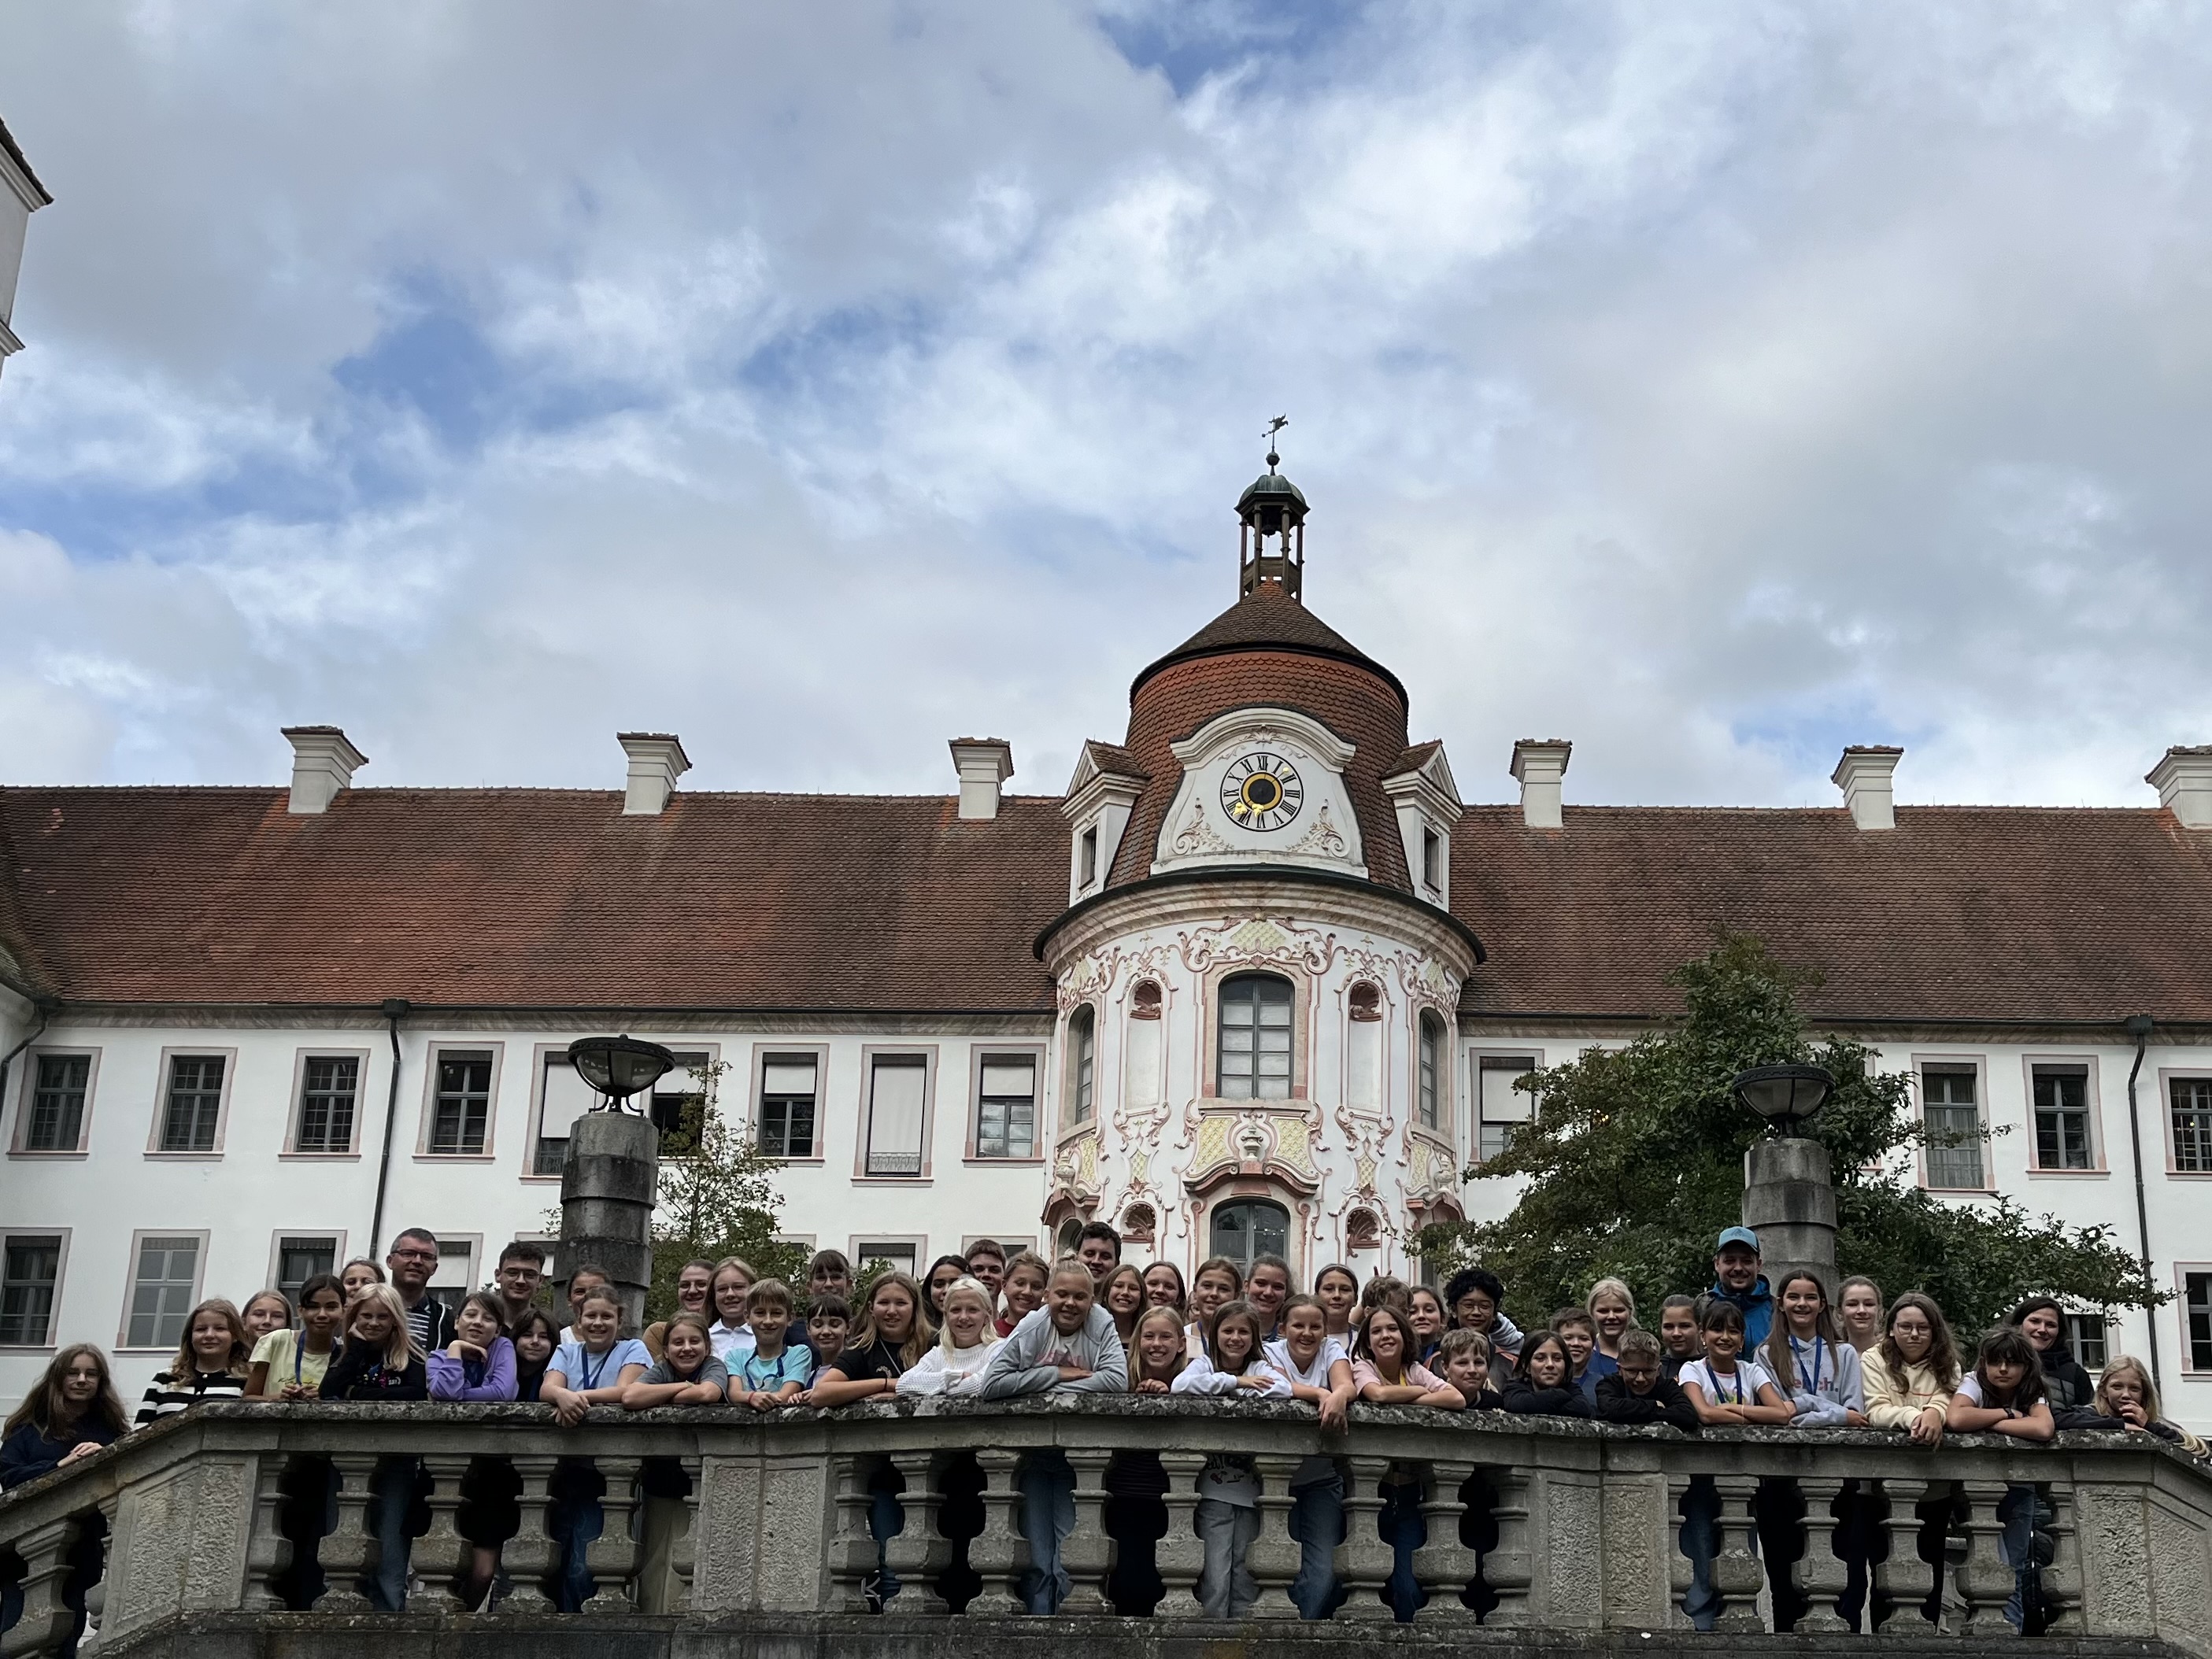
<point>1269,618</point>
<point>528,898</point>
<point>1971,913</point>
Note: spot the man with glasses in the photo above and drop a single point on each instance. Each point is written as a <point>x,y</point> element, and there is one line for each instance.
<point>521,1272</point>
<point>414,1258</point>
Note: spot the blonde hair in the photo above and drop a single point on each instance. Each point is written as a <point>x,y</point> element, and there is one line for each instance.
<point>1157,1311</point>
<point>969,1285</point>
<point>1615,1288</point>
<point>2133,1367</point>
<point>186,1365</point>
<point>399,1349</point>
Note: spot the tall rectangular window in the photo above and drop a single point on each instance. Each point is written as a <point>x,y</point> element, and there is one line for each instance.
<point>788,1095</point>
<point>328,1086</point>
<point>1087,858</point>
<point>56,1120</point>
<point>2061,1118</point>
<point>299,1259</point>
<point>193,1108</point>
<point>2085,1335</point>
<point>2191,1101</point>
<point>1431,1042</point>
<point>2197,1319</point>
<point>898,1092</point>
<point>1432,858</point>
<point>1953,1119</point>
<point>1006,1107</point>
<point>1501,1105</point>
<point>563,1097</point>
<point>161,1286</point>
<point>1256,1038</point>
<point>677,1093</point>
<point>30,1273</point>
<point>1082,1064</point>
<point>461,1112</point>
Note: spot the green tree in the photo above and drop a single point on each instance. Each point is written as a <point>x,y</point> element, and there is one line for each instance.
<point>717,1196</point>
<point>1634,1163</point>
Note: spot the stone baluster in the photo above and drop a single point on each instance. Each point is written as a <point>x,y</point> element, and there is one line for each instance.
<point>1363,1561</point>
<point>47,1619</point>
<point>1181,1556</point>
<point>999,1554</point>
<point>1087,1553</point>
<point>2061,1579</point>
<point>853,1553</point>
<point>95,1594</point>
<point>346,1554</point>
<point>918,1554</point>
<point>1737,1576</point>
<point>1680,1572</point>
<point>439,1555</point>
<point>684,1546</point>
<point>1510,1569</point>
<point>1820,1573</point>
<point>1985,1581</point>
<point>1273,1559</point>
<point>268,1551</point>
<point>1444,1566</point>
<point>1902,1578</point>
<point>529,1557</point>
<point>613,1554</point>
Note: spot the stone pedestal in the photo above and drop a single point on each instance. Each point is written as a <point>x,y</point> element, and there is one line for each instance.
<point>606,1203</point>
<point>1789,1201</point>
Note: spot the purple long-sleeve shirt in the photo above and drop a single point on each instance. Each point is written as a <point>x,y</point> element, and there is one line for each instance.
<point>449,1378</point>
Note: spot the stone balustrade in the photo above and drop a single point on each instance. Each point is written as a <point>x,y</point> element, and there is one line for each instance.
<point>729,1522</point>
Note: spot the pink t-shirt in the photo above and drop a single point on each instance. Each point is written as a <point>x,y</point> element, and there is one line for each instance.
<point>1418,1376</point>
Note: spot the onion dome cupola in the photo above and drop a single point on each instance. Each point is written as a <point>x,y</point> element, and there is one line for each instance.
<point>1271,542</point>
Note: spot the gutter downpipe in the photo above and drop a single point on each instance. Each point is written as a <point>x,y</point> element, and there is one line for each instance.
<point>45,1017</point>
<point>393,1008</point>
<point>2138,1026</point>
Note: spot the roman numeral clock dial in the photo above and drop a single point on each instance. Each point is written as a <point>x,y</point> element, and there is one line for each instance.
<point>1261,791</point>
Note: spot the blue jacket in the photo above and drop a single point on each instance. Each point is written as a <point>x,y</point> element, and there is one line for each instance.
<point>1757,1306</point>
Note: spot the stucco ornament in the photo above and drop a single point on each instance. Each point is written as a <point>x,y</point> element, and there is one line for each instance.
<point>1250,777</point>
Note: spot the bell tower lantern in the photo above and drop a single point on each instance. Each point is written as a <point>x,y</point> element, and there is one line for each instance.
<point>1272,536</point>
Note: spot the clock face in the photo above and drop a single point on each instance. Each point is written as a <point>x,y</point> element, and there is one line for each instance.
<point>1261,791</point>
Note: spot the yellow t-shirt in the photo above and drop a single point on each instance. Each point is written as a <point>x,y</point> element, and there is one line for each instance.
<point>287,1362</point>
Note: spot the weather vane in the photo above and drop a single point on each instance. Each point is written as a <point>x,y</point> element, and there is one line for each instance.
<point>1274,426</point>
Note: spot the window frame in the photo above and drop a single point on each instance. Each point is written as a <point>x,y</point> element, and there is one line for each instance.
<point>162,1078</point>
<point>1067,1123</point>
<point>2183,1272</point>
<point>756,1073</point>
<point>123,1344</point>
<point>1294,1085</point>
<point>870,1054</point>
<point>276,1238</point>
<point>1475,1056</point>
<point>858,1257</point>
<point>26,1096</point>
<point>1432,1052</point>
<point>710,1057</point>
<point>2092,1107</point>
<point>1035,1052</point>
<point>2167,1076</point>
<point>2076,1344</point>
<point>434,1055</point>
<point>540,1054</point>
<point>61,1281</point>
<point>473,1276</point>
<point>1979,1065</point>
<point>301,1057</point>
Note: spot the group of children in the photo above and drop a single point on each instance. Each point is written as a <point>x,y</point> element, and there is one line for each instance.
<point>990,1324</point>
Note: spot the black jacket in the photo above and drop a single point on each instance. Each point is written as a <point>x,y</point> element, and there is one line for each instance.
<point>1618,1403</point>
<point>359,1373</point>
<point>1530,1401</point>
<point>31,1452</point>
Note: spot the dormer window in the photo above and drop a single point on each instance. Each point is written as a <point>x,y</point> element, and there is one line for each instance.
<point>1086,857</point>
<point>1432,859</point>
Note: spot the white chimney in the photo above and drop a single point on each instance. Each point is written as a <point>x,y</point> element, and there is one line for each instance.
<point>1863,776</point>
<point>1539,763</point>
<point>2184,781</point>
<point>983,763</point>
<point>323,763</point>
<point>656,761</point>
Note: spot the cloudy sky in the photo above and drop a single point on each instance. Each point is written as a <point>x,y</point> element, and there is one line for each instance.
<point>1713,384</point>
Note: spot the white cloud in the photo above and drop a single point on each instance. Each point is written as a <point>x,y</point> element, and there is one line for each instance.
<point>1712,386</point>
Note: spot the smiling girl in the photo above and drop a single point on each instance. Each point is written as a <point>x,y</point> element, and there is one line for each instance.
<point>686,1374</point>
<point>1543,1384</point>
<point>289,1364</point>
<point>1319,1372</point>
<point>209,1365</point>
<point>2004,1394</point>
<point>1164,1288</point>
<point>1424,1311</point>
<point>1336,1287</point>
<point>69,1414</point>
<point>727,1290</point>
<point>479,1362</point>
<point>1218,1283</point>
<point>955,1366</point>
<point>1859,1311</point>
<point>1122,1295</point>
<point>1231,1364</point>
<point>2126,1392</point>
<point>1027,1275</point>
<point>267,1311</point>
<point>694,1293</point>
<point>1155,1355</point>
<point>535,1338</point>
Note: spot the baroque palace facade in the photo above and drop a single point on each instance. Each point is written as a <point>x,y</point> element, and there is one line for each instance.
<point>1257,980</point>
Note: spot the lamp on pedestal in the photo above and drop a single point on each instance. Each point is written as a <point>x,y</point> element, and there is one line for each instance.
<point>1789,1190</point>
<point>612,1169</point>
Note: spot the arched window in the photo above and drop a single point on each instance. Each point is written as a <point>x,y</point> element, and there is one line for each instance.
<point>1254,1061</point>
<point>1432,1080</point>
<point>1082,1062</point>
<point>1248,1229</point>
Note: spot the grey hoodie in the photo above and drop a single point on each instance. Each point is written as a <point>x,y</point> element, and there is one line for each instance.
<point>1028,1361</point>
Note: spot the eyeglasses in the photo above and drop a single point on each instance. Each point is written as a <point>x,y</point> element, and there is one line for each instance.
<point>414,1255</point>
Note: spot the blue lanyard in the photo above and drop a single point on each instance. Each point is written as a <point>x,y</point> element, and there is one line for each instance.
<point>1721,1396</point>
<point>299,1355</point>
<point>591,1376</point>
<point>1820,1348</point>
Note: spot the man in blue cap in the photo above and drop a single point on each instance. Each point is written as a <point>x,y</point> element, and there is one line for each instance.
<point>1737,1279</point>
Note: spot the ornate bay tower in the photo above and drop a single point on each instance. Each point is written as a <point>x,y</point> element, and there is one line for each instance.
<point>1258,971</point>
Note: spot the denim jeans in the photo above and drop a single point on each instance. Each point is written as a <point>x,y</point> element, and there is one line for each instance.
<point>392,1497</point>
<point>576,1521</point>
<point>1317,1522</point>
<point>886,1520</point>
<point>1047,1517</point>
<point>1405,1530</point>
<point>1226,1589</point>
<point>1701,1514</point>
<point>2020,1512</point>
